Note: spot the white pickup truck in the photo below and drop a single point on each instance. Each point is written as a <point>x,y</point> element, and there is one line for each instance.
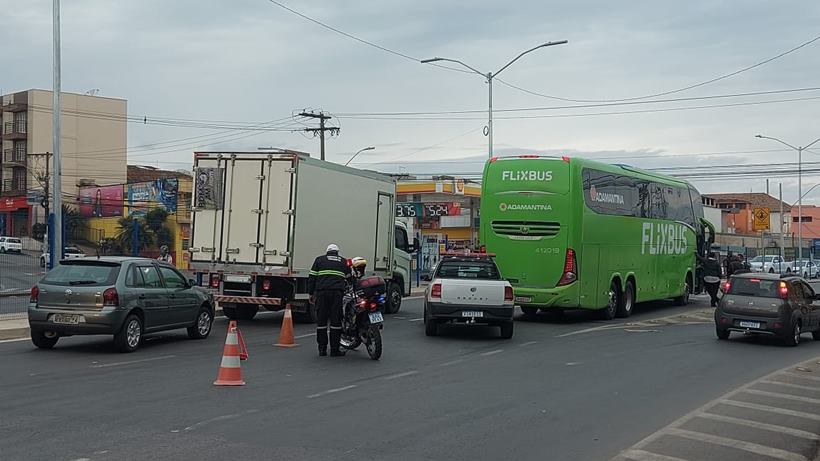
<point>772,264</point>
<point>468,289</point>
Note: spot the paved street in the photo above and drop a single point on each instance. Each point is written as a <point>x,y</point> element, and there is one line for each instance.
<point>18,272</point>
<point>561,389</point>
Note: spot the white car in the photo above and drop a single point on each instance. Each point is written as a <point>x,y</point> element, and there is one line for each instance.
<point>11,245</point>
<point>70,253</point>
<point>806,268</point>
<point>771,264</point>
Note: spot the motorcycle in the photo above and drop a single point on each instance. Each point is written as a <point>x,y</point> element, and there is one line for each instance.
<point>362,318</point>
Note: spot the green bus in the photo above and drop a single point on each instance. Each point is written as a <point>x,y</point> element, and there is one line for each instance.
<point>578,234</point>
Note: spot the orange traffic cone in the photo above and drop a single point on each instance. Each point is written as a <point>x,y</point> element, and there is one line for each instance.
<point>230,373</point>
<point>286,334</point>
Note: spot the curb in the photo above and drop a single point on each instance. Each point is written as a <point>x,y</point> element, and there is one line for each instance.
<point>13,293</point>
<point>14,333</point>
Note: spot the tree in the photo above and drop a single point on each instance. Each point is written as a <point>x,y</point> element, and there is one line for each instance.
<point>125,234</point>
<point>155,220</point>
<point>74,223</point>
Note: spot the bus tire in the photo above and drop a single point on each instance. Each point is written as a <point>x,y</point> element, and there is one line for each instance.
<point>529,311</point>
<point>627,301</point>
<point>683,299</point>
<point>608,312</point>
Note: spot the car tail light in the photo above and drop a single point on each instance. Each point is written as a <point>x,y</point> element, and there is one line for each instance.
<point>111,297</point>
<point>35,294</point>
<point>783,290</point>
<point>570,274</point>
<point>727,287</point>
<point>508,295</point>
<point>214,281</point>
<point>266,284</point>
<point>435,291</point>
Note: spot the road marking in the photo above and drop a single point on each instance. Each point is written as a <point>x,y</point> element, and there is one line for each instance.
<point>779,395</point>
<point>487,354</point>
<point>212,420</point>
<point>529,343</point>
<point>642,455</point>
<point>398,317</point>
<point>569,364</point>
<point>640,331</point>
<point>590,330</point>
<point>451,362</point>
<point>758,425</point>
<point>305,335</point>
<point>737,444</point>
<point>417,320</point>
<point>401,375</point>
<point>793,386</point>
<point>131,362</point>
<point>331,391</point>
<point>770,409</point>
<point>802,376</point>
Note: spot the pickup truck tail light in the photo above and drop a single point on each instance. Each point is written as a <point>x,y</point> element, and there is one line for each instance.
<point>570,274</point>
<point>35,293</point>
<point>508,295</point>
<point>435,291</point>
<point>111,297</point>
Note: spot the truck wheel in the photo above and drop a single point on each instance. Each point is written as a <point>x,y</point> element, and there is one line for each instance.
<point>507,329</point>
<point>229,312</point>
<point>246,311</point>
<point>306,317</point>
<point>43,339</point>
<point>394,295</point>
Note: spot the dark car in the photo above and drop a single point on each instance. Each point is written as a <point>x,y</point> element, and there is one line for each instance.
<point>120,296</point>
<point>768,304</point>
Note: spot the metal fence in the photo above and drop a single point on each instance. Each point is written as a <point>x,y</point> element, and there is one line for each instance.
<point>18,273</point>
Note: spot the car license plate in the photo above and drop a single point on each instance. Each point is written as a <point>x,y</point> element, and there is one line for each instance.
<point>746,324</point>
<point>472,314</point>
<point>67,319</point>
<point>376,317</point>
<point>523,299</point>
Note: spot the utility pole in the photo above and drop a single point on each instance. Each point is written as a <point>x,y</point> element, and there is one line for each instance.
<point>782,237</point>
<point>57,250</point>
<point>322,128</point>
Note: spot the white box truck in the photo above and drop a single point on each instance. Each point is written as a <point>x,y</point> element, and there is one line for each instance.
<point>260,219</point>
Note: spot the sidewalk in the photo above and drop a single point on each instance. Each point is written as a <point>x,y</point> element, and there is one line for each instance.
<point>13,328</point>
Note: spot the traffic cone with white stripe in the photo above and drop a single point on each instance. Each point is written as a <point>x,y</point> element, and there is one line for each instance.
<point>286,338</point>
<point>230,372</point>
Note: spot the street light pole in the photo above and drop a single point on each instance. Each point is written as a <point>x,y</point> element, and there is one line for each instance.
<point>490,76</point>
<point>357,153</point>
<point>799,150</point>
<point>57,251</point>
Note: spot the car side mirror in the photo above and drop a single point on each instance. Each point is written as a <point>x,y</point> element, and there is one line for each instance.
<point>192,283</point>
<point>416,246</point>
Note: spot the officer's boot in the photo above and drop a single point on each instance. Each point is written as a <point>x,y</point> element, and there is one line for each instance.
<point>335,342</point>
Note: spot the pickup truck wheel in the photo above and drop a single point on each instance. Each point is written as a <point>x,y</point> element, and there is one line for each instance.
<point>44,339</point>
<point>130,335</point>
<point>530,311</point>
<point>771,270</point>
<point>507,329</point>
<point>430,325</point>
<point>394,295</point>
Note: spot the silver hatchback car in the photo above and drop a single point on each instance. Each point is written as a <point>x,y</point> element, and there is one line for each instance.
<point>120,296</point>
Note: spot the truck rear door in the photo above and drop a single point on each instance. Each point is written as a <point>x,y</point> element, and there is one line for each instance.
<point>384,231</point>
<point>278,212</point>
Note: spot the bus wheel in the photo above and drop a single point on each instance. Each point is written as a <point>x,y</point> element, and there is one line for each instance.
<point>627,301</point>
<point>529,311</point>
<point>683,299</point>
<point>608,312</point>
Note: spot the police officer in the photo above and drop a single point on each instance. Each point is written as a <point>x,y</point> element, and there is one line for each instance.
<point>326,285</point>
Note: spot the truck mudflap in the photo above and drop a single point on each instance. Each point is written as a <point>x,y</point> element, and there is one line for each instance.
<point>248,300</point>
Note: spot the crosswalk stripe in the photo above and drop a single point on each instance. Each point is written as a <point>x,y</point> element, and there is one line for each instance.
<point>737,444</point>
<point>770,409</point>
<point>643,455</point>
<point>802,376</point>
<point>793,386</point>
<point>759,425</point>
<point>779,395</point>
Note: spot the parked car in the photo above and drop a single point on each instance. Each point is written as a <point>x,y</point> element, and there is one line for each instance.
<point>783,306</point>
<point>771,264</point>
<point>11,245</point>
<point>121,296</point>
<point>805,267</point>
<point>70,253</point>
<point>468,289</point>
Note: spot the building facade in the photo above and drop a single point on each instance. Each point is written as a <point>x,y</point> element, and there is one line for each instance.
<point>93,151</point>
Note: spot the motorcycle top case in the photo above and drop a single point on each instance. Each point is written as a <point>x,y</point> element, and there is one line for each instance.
<point>371,287</point>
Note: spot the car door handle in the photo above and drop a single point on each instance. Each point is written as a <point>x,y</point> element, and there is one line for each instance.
<point>141,296</point>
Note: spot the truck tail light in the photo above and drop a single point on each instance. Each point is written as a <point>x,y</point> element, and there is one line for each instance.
<point>570,274</point>
<point>35,294</point>
<point>783,290</point>
<point>111,297</point>
<point>508,295</point>
<point>266,285</point>
<point>435,291</point>
<point>214,282</point>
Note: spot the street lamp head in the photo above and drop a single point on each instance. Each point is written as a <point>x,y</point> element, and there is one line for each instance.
<point>369,148</point>
<point>428,61</point>
<point>758,136</point>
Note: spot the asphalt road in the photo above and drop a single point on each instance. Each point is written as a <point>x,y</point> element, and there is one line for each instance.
<point>18,272</point>
<point>561,389</point>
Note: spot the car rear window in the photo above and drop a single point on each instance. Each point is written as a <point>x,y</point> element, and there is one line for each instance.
<point>482,270</point>
<point>72,251</point>
<point>760,288</point>
<point>95,273</point>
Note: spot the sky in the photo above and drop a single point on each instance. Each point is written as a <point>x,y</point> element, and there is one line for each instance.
<point>238,64</point>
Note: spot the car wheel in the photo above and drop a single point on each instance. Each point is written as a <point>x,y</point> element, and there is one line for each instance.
<point>815,335</point>
<point>771,271</point>
<point>507,329</point>
<point>44,339</point>
<point>42,262</point>
<point>627,301</point>
<point>722,334</point>
<point>793,339</point>
<point>202,328</point>
<point>805,275</point>
<point>2,250</point>
<point>608,312</point>
<point>394,295</point>
<point>530,311</point>
<point>129,337</point>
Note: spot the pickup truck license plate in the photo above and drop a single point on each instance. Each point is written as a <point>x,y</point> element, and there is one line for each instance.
<point>523,299</point>
<point>746,324</point>
<point>472,314</point>
<point>376,317</point>
<point>66,319</point>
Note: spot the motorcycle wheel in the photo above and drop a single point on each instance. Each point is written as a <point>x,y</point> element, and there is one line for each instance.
<point>373,342</point>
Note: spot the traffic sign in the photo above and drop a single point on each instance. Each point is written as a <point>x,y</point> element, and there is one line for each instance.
<point>760,219</point>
